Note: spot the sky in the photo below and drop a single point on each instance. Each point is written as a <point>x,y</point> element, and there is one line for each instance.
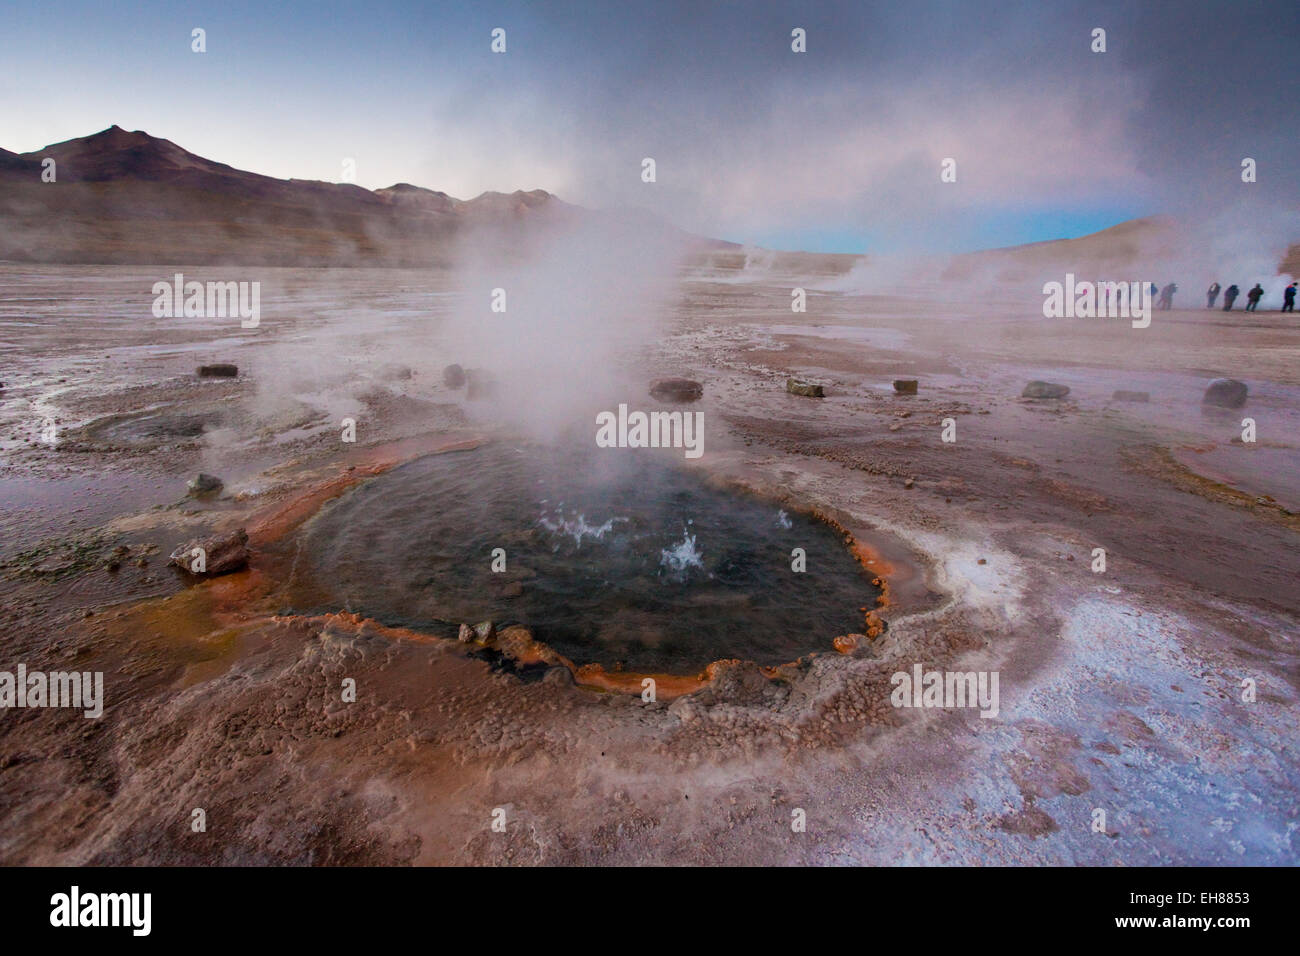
<point>837,149</point>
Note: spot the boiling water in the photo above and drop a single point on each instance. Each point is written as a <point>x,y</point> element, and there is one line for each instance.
<point>615,557</point>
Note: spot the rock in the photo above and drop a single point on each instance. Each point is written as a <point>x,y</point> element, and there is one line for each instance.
<point>485,632</point>
<point>910,482</point>
<point>221,554</point>
<point>559,676</point>
<point>453,376</point>
<point>676,390</point>
<point>905,386</point>
<point>203,484</point>
<point>220,370</point>
<point>466,635</point>
<point>796,387</point>
<point>1123,396</point>
<point>1037,389</point>
<point>1225,393</point>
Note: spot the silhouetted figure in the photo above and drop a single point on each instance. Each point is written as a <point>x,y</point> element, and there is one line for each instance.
<point>1288,298</point>
<point>1253,297</point>
<point>1167,296</point>
<point>1229,297</point>
<point>1211,294</point>
<point>1154,290</point>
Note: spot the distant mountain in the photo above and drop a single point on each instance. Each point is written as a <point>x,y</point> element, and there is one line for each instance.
<point>128,197</point>
<point>1154,242</point>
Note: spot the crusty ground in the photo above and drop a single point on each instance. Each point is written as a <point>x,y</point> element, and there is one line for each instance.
<point>1120,691</point>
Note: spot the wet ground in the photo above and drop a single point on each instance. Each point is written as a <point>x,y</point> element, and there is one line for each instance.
<point>1124,691</point>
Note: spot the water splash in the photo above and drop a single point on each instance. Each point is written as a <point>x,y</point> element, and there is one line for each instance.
<point>683,556</point>
<point>577,527</point>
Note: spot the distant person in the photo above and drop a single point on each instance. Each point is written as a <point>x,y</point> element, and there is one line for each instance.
<point>1229,297</point>
<point>1253,297</point>
<point>1167,296</point>
<point>1288,298</point>
<point>1211,294</point>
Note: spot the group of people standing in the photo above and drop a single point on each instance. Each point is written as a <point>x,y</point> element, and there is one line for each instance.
<point>1252,297</point>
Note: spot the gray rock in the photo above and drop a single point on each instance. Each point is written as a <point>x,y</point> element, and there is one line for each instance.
<point>1225,393</point>
<point>220,370</point>
<point>221,554</point>
<point>485,632</point>
<point>795,387</point>
<point>453,376</point>
<point>1037,389</point>
<point>676,390</point>
<point>203,484</point>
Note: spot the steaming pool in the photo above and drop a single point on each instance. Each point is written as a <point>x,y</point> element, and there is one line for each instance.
<point>617,558</point>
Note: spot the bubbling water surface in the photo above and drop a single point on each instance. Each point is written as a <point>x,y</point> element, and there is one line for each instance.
<point>611,556</point>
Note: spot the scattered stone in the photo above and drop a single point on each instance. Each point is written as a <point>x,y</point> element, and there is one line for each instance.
<point>676,390</point>
<point>222,554</point>
<point>559,676</point>
<point>796,387</point>
<point>220,370</point>
<point>485,632</point>
<point>466,635</point>
<point>1225,393</point>
<point>905,386</point>
<point>453,376</point>
<point>909,483</point>
<point>1124,396</point>
<point>204,484</point>
<point>1037,389</point>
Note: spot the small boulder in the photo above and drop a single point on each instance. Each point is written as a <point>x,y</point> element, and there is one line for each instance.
<point>1124,396</point>
<point>220,370</point>
<point>796,387</point>
<point>453,376</point>
<point>466,635</point>
<point>905,386</point>
<point>1037,389</point>
<point>676,390</point>
<point>202,484</point>
<point>485,632</point>
<point>1225,393</point>
<point>208,557</point>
